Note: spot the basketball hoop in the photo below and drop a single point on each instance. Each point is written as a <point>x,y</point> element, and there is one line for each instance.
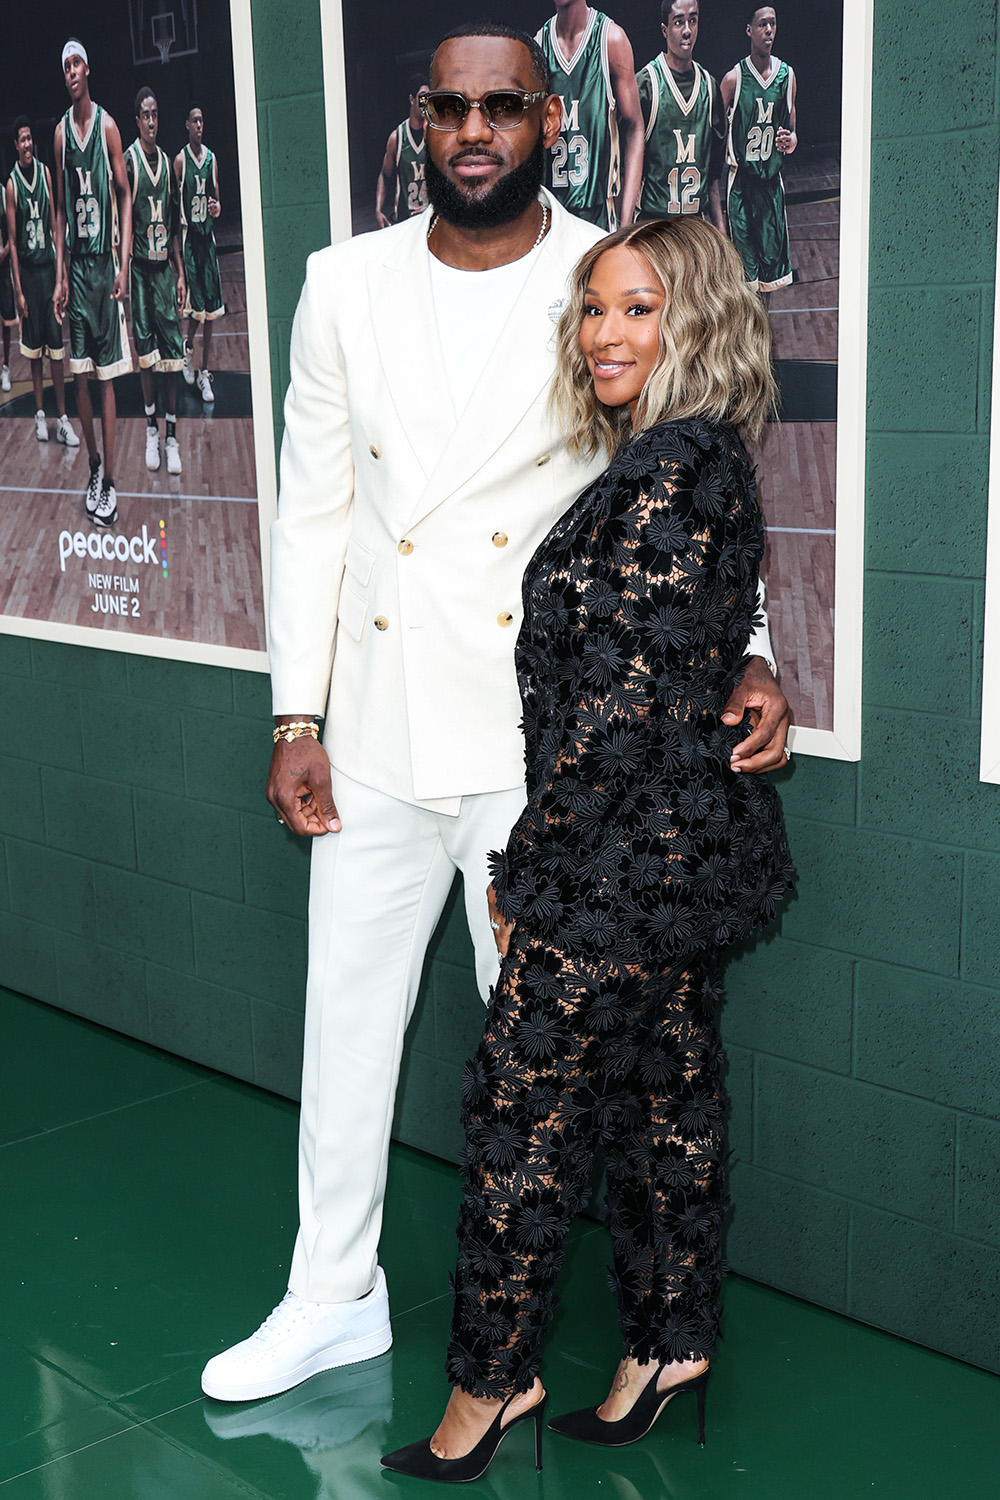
<point>164,29</point>
<point>163,34</point>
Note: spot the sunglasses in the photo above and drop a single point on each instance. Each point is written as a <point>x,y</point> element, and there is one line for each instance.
<point>502,109</point>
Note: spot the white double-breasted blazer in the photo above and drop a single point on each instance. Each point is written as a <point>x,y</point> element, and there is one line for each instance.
<point>402,535</point>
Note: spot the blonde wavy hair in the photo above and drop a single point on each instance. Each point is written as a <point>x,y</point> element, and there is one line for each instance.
<point>715,342</point>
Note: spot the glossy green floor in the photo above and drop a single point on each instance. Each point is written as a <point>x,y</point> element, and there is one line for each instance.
<point>147,1216</point>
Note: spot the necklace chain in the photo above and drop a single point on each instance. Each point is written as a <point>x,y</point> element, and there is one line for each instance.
<point>538,238</point>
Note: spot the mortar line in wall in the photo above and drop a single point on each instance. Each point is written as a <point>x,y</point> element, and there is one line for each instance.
<point>906,838</point>
<point>984,364</point>
<point>922,577</point>
<point>753,1106</point>
<point>876,833</point>
<point>887,1213</point>
<point>923,286</point>
<point>870,958</point>
<point>908,140</point>
<point>923,713</point>
<point>849,1260</point>
<point>871,1083</point>
<point>956,1167</point>
<point>962,887</point>
<point>854,1018</point>
<point>306,94</point>
<point>922,432</point>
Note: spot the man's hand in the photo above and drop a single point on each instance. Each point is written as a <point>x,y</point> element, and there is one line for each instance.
<point>181,293</point>
<point>213,207</point>
<point>764,749</point>
<point>22,304</point>
<point>299,787</point>
<point>121,285</point>
<point>381,220</point>
<point>502,929</point>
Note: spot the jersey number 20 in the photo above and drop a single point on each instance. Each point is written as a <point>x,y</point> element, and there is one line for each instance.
<point>760,142</point>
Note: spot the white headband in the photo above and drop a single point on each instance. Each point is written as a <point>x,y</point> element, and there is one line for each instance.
<point>73,48</point>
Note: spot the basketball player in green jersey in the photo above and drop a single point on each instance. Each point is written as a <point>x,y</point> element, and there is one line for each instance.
<point>31,231</point>
<point>402,174</point>
<point>157,284</point>
<point>94,224</point>
<point>759,95</point>
<point>197,172</point>
<point>595,167</point>
<point>685,124</point>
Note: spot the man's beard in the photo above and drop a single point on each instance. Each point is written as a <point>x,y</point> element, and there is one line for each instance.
<point>504,202</point>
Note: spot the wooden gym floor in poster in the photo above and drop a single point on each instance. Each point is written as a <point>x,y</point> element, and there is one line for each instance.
<point>179,572</point>
<point>811,465</point>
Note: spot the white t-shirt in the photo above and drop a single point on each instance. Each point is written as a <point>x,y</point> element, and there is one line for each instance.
<point>472,308</point>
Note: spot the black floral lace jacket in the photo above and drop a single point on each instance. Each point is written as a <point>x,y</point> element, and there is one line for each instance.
<point>638,842</point>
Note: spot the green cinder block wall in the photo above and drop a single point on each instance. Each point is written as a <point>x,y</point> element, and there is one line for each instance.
<point>145,884</point>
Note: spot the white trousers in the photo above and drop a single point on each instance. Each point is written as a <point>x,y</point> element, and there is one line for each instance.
<point>376,892</point>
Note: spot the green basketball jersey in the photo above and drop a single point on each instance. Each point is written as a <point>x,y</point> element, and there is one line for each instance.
<point>758,111</point>
<point>88,186</point>
<point>411,184</point>
<point>152,204</point>
<point>680,140</point>
<point>32,216</point>
<point>199,182</point>
<point>584,160</point>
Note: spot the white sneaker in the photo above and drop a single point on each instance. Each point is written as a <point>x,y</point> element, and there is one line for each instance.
<point>93,496</point>
<point>300,1339</point>
<point>106,513</point>
<point>188,370</point>
<point>152,449</point>
<point>41,427</point>
<point>173,456</point>
<point>205,387</point>
<point>65,433</point>
<point>5,378</point>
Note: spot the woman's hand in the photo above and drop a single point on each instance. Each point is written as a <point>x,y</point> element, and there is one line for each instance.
<point>502,929</point>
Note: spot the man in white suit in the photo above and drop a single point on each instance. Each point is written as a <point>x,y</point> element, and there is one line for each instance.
<point>419,473</point>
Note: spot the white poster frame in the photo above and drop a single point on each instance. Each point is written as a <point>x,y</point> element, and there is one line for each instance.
<point>252,218</point>
<point>843,740</point>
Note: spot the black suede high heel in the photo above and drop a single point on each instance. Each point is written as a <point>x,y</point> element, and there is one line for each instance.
<point>419,1462</point>
<point>590,1428</point>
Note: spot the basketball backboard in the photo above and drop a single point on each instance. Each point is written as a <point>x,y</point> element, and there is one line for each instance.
<point>163,30</point>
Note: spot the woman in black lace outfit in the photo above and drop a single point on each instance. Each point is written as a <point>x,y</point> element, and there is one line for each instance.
<point>639,856</point>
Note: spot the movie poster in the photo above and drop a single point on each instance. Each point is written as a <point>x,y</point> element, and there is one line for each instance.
<point>131,124</point>
<point>756,118</point>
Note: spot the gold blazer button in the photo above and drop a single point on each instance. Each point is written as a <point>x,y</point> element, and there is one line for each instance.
<point>499,538</point>
<point>543,460</point>
<point>381,623</point>
<point>503,618</point>
<point>406,547</point>
<point>374,450</point>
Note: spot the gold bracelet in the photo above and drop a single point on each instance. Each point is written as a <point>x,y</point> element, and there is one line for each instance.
<point>295,730</point>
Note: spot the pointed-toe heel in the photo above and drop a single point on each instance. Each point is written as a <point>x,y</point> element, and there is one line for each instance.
<point>419,1462</point>
<point>588,1427</point>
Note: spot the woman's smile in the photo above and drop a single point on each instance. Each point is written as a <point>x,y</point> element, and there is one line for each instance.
<point>620,328</point>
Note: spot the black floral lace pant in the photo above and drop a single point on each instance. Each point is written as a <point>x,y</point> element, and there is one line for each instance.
<point>575,1054</point>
